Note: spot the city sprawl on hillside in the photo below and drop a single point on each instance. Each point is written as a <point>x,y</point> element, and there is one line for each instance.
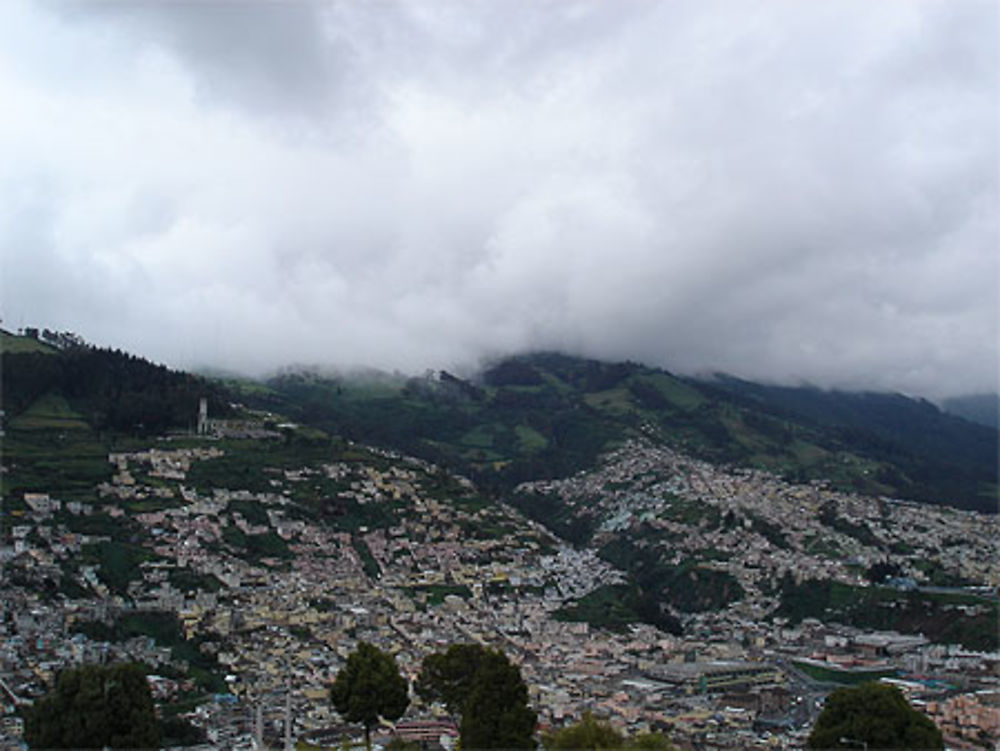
<point>243,572</point>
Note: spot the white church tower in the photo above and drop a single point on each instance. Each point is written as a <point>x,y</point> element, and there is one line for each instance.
<point>203,416</point>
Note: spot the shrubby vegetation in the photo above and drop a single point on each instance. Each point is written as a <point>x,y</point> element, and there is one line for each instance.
<point>687,586</point>
<point>591,734</point>
<point>615,606</point>
<point>118,562</point>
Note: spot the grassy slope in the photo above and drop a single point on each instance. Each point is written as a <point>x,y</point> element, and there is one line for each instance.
<point>12,344</point>
<point>50,411</point>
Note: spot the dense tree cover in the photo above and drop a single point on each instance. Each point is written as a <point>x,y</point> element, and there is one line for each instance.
<point>60,339</point>
<point>591,734</point>
<point>447,677</point>
<point>935,615</point>
<point>687,587</point>
<point>512,372</point>
<point>879,571</point>
<point>94,706</point>
<point>179,732</point>
<point>874,716</point>
<point>111,389</point>
<point>369,686</point>
<point>615,606</point>
<point>486,690</point>
<point>496,712</point>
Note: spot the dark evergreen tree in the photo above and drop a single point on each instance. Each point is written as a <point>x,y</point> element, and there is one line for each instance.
<point>111,389</point>
<point>95,707</point>
<point>448,676</point>
<point>487,690</point>
<point>369,686</point>
<point>876,716</point>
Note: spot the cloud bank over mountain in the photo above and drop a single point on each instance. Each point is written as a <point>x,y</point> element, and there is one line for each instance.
<point>781,190</point>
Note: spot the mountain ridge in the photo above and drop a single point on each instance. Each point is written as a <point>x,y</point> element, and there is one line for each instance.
<point>546,415</point>
<point>979,408</point>
<point>230,549</point>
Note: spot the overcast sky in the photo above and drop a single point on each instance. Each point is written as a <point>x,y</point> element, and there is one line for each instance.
<point>792,191</point>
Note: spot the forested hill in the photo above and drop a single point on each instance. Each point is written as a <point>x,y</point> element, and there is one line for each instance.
<point>70,383</point>
<point>535,416</point>
<point>939,453</point>
<point>550,415</point>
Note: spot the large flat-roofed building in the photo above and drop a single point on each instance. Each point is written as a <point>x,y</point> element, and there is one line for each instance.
<point>715,676</point>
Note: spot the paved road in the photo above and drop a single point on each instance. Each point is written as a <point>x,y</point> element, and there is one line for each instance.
<point>809,693</point>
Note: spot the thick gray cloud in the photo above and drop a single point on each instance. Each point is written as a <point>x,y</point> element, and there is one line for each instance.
<point>782,190</point>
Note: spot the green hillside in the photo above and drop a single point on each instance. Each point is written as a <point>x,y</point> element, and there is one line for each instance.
<point>922,453</point>
<point>100,388</point>
<point>12,344</point>
<point>65,409</point>
<point>541,416</point>
<point>549,415</point>
<point>535,416</point>
<point>49,411</point>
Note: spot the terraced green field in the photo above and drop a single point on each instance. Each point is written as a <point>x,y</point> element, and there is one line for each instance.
<point>50,411</point>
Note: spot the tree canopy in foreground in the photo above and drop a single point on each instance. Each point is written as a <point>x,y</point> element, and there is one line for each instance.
<point>876,716</point>
<point>95,706</point>
<point>369,686</point>
<point>591,734</point>
<point>487,690</point>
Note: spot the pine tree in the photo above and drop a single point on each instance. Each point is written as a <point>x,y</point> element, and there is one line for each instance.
<point>95,707</point>
<point>369,686</point>
<point>487,690</point>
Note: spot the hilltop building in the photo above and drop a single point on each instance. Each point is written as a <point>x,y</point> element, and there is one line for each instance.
<point>230,428</point>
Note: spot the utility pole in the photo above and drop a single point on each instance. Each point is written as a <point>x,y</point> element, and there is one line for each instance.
<point>288,714</point>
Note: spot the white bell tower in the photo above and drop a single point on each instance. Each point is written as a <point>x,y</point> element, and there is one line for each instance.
<point>203,416</point>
